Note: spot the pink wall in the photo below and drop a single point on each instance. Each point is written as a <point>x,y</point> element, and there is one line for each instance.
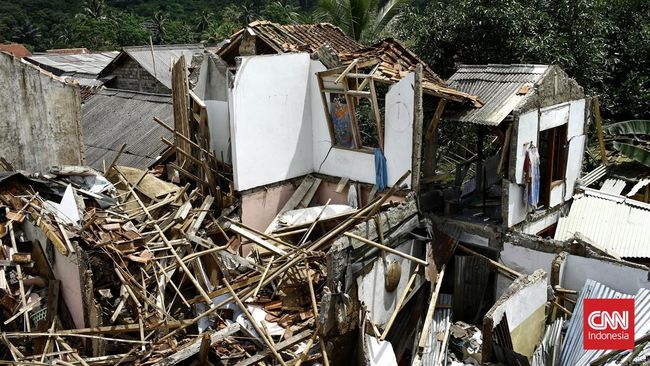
<point>258,209</point>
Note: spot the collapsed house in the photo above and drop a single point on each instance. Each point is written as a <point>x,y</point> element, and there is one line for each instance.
<point>313,201</point>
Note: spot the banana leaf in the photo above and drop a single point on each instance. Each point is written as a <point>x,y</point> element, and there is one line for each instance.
<point>634,152</point>
<point>636,127</point>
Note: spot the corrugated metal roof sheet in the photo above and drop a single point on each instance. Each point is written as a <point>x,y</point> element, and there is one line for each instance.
<point>162,57</point>
<point>438,333</point>
<point>115,117</point>
<point>497,87</point>
<point>70,64</point>
<point>640,184</point>
<point>613,186</point>
<point>572,352</point>
<point>620,226</point>
<point>593,176</point>
<point>547,352</point>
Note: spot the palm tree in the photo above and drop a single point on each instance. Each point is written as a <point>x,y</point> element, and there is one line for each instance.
<point>26,32</point>
<point>248,12</point>
<point>95,8</point>
<point>158,26</point>
<point>204,22</point>
<point>358,17</point>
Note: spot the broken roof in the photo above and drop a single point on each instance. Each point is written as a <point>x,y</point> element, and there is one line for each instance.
<point>15,49</point>
<point>293,37</point>
<point>615,223</point>
<point>114,117</point>
<point>397,61</point>
<point>157,60</point>
<point>63,64</point>
<point>501,88</point>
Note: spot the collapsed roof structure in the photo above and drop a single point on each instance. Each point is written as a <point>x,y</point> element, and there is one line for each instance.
<point>306,199</point>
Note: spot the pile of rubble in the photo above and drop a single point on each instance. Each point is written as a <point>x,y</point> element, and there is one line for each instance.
<point>133,269</point>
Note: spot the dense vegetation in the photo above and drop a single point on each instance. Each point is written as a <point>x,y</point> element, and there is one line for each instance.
<point>604,44</point>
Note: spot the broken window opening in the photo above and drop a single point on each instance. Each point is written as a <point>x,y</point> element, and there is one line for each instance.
<point>552,151</point>
<point>352,110</point>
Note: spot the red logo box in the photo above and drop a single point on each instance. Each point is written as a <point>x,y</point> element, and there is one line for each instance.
<point>608,324</point>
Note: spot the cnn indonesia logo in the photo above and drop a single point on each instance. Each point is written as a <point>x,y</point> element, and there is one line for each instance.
<point>608,324</point>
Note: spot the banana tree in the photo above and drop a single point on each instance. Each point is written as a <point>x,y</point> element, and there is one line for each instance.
<point>631,138</point>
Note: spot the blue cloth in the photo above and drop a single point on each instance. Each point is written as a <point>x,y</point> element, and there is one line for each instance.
<point>381,171</point>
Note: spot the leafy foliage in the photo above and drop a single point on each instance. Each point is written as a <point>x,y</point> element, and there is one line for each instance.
<point>604,45</point>
<point>359,17</point>
<point>633,152</point>
<point>110,24</point>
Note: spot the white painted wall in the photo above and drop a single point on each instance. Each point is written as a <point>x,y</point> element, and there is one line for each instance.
<point>557,195</point>
<point>576,269</point>
<point>529,125</point>
<point>617,276</point>
<point>398,146</point>
<point>371,288</point>
<point>525,260</point>
<point>553,116</point>
<point>357,165</point>
<point>278,127</point>
<point>219,120</point>
<point>516,205</point>
<point>576,118</point>
<point>574,164</point>
<point>533,227</point>
<point>526,133</point>
<point>522,304</point>
<point>270,125</point>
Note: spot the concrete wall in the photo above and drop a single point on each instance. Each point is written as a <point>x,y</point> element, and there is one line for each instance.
<point>129,75</point>
<point>212,88</point>
<point>259,208</point>
<point>527,127</point>
<point>359,165</point>
<point>621,276</point>
<point>371,290</point>
<point>66,269</point>
<point>270,120</point>
<point>524,306</point>
<point>400,110</point>
<point>278,127</point>
<point>40,118</point>
<point>356,165</point>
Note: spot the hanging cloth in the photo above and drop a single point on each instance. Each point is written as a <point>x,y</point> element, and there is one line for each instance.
<point>531,176</point>
<point>381,171</point>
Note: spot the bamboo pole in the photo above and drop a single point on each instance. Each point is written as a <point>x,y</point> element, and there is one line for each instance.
<point>388,249</point>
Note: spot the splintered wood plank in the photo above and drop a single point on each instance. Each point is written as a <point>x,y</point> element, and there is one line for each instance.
<point>310,193</point>
<point>256,239</point>
<point>289,342</point>
<point>342,183</point>
<point>298,195</point>
<point>194,347</point>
